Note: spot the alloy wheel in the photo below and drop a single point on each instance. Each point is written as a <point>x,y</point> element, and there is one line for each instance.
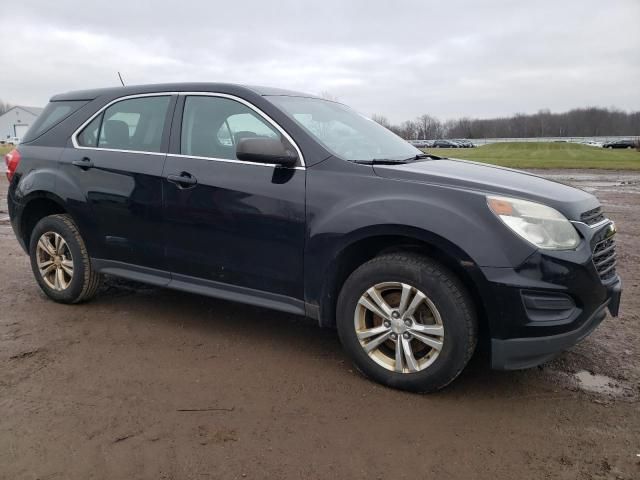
<point>54,260</point>
<point>399,327</point>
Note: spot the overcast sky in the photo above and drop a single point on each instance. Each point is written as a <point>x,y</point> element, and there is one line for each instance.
<point>396,58</point>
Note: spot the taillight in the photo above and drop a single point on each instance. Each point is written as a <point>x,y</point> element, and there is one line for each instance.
<point>12,159</point>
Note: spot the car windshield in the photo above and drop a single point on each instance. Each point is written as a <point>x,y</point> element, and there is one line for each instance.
<point>344,132</point>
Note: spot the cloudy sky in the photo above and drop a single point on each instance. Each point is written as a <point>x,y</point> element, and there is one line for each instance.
<point>396,58</point>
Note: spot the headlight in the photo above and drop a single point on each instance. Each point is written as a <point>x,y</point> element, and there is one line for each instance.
<point>543,226</point>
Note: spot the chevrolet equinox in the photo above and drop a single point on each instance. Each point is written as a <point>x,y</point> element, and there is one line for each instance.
<point>299,204</point>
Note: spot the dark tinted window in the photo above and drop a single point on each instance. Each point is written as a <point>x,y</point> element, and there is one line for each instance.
<point>136,124</point>
<point>52,114</point>
<point>212,127</point>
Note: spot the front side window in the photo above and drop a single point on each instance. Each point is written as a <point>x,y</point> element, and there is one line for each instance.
<point>344,132</point>
<point>213,126</point>
<point>135,124</point>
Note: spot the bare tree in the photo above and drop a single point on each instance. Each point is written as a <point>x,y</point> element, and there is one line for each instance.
<point>5,107</point>
<point>381,119</point>
<point>409,130</point>
<point>579,122</point>
<point>429,127</point>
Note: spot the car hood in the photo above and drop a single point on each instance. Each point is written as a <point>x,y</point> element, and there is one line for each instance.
<point>485,178</point>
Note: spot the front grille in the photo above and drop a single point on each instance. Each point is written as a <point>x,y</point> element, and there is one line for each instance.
<point>604,258</point>
<point>591,217</point>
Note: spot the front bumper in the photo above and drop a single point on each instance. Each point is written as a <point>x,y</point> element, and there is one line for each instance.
<point>549,303</point>
<point>519,353</point>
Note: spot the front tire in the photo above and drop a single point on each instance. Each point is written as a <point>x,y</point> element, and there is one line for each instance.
<point>407,322</point>
<point>60,261</point>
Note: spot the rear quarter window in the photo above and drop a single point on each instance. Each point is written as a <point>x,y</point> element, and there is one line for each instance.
<point>53,114</point>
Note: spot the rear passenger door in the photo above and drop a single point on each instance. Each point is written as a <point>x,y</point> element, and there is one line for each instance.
<point>231,222</point>
<point>117,161</point>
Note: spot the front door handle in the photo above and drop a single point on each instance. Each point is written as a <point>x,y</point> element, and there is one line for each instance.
<point>183,180</point>
<point>84,164</point>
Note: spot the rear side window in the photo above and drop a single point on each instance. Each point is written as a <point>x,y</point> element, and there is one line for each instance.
<point>135,124</point>
<point>52,114</point>
<point>213,126</point>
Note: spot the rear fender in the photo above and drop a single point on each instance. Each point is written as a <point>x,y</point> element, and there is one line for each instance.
<point>52,184</point>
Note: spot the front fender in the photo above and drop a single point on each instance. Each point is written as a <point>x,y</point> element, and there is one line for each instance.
<point>347,202</point>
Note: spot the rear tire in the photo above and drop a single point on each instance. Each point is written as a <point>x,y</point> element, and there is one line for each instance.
<point>425,349</point>
<point>60,261</point>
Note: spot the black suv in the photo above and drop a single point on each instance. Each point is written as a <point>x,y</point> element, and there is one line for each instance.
<point>299,204</point>
<point>624,143</point>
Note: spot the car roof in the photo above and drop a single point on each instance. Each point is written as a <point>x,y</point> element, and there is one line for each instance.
<point>176,87</point>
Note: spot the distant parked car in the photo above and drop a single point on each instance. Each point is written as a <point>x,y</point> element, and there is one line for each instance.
<point>421,143</point>
<point>445,144</point>
<point>466,143</point>
<point>625,143</point>
<point>592,143</point>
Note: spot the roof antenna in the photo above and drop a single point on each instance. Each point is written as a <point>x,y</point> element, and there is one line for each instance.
<point>120,77</point>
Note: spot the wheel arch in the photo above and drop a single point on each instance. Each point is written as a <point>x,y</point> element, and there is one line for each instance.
<point>37,205</point>
<point>372,243</point>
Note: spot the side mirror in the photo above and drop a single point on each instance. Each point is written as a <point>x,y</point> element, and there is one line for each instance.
<point>265,150</point>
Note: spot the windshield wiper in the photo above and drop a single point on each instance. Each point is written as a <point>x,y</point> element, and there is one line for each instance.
<point>389,161</point>
<point>420,156</point>
<point>381,161</point>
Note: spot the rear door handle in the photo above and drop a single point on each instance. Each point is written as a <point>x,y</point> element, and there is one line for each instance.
<point>183,180</point>
<point>84,164</point>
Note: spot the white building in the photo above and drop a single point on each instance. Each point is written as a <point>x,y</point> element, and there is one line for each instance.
<point>16,121</point>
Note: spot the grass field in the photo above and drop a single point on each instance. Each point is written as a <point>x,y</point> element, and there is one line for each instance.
<point>5,149</point>
<point>545,155</point>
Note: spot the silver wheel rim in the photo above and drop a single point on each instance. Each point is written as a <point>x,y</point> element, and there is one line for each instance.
<point>54,260</point>
<point>399,327</point>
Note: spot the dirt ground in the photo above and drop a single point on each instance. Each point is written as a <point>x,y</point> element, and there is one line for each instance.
<point>150,383</point>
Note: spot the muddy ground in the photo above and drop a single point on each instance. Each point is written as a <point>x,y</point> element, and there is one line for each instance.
<point>149,383</point>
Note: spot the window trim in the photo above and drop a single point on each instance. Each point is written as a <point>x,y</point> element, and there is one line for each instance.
<point>248,104</point>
